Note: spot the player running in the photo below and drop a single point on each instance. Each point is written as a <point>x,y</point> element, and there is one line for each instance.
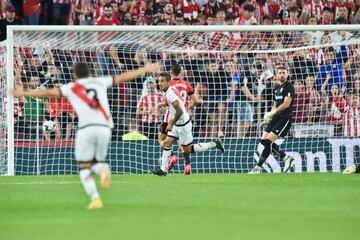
<point>186,93</point>
<point>179,127</point>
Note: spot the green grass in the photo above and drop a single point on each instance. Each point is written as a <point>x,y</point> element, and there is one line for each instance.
<point>200,206</point>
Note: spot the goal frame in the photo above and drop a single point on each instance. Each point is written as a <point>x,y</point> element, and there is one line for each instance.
<point>238,28</point>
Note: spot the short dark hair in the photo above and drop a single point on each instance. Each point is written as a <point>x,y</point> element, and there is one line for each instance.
<point>267,17</point>
<point>107,5</point>
<point>249,8</point>
<point>166,76</point>
<point>330,50</point>
<point>221,9</point>
<point>281,68</point>
<point>327,9</point>
<point>179,14</point>
<point>81,70</point>
<point>294,9</point>
<point>175,69</point>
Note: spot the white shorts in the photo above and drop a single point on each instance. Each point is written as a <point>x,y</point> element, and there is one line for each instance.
<point>92,143</point>
<point>183,133</point>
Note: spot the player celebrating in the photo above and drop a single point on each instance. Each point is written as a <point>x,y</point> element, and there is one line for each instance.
<point>277,122</point>
<point>186,91</point>
<point>88,95</point>
<point>179,127</point>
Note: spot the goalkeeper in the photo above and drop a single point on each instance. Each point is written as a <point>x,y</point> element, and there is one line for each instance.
<point>278,121</point>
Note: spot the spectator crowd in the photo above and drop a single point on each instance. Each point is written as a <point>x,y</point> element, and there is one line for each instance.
<point>234,83</point>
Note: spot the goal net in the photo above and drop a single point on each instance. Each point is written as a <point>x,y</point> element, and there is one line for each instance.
<point>233,71</point>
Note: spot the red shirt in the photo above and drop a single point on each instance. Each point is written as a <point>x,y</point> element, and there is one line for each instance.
<point>103,21</point>
<point>31,7</point>
<point>58,105</point>
<point>270,10</point>
<point>232,8</point>
<point>136,11</point>
<point>337,109</point>
<point>190,9</point>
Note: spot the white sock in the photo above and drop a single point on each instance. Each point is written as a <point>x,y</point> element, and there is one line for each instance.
<point>96,168</point>
<point>165,159</point>
<point>199,147</point>
<point>89,183</point>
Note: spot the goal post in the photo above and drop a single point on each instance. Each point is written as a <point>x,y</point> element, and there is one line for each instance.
<point>232,69</point>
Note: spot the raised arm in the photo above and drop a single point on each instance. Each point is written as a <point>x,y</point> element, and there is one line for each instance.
<point>39,93</point>
<point>324,85</point>
<point>131,75</point>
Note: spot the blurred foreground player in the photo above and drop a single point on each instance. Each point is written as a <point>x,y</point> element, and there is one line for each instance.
<point>88,95</point>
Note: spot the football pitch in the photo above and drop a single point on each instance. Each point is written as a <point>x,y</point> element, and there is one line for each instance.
<point>200,206</point>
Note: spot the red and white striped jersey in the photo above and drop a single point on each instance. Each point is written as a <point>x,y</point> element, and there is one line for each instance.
<point>352,122</point>
<point>150,103</point>
<point>185,90</point>
<point>316,10</point>
<point>87,5</point>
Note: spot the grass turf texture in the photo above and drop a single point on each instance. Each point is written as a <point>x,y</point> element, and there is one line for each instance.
<point>200,206</point>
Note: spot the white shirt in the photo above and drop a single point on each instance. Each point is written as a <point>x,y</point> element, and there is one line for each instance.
<point>172,95</point>
<point>88,96</point>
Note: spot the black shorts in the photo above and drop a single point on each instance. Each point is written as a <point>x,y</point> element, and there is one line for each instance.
<point>163,127</point>
<point>279,126</point>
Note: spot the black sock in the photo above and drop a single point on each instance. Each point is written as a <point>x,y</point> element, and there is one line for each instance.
<point>266,152</point>
<point>186,158</point>
<point>278,151</point>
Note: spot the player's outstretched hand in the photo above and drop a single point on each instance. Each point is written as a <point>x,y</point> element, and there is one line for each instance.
<point>154,67</point>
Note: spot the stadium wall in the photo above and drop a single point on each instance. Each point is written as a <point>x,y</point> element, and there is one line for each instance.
<point>135,156</point>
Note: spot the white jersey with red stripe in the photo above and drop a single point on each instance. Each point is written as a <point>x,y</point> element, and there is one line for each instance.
<point>172,95</point>
<point>150,103</point>
<point>89,98</point>
<point>185,90</point>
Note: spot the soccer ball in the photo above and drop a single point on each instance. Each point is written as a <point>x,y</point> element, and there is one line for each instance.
<point>49,126</point>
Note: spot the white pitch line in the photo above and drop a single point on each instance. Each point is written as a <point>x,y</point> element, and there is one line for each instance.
<point>53,183</point>
<point>41,183</point>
